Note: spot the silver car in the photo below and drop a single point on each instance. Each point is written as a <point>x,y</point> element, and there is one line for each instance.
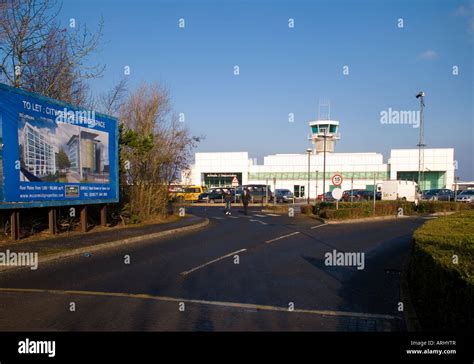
<point>466,196</point>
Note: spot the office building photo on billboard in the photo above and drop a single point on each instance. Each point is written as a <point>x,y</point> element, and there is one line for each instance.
<point>59,152</point>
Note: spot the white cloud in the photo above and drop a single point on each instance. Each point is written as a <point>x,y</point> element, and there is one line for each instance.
<point>428,54</point>
<point>467,11</point>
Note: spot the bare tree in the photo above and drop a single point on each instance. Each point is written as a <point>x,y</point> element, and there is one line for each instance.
<point>156,147</point>
<point>112,101</point>
<point>39,55</point>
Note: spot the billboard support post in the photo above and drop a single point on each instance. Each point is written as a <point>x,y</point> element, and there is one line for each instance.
<point>103,215</point>
<point>15,224</point>
<point>84,219</point>
<point>52,220</point>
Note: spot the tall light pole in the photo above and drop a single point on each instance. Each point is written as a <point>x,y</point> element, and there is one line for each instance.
<point>317,176</point>
<point>421,145</point>
<point>309,150</point>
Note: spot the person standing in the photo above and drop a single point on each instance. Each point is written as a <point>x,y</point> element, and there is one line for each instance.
<point>245,200</point>
<point>228,201</point>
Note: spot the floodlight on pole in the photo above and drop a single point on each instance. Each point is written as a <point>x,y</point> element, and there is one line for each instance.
<point>421,145</point>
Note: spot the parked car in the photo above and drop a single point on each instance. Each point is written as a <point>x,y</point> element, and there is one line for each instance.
<point>353,195</point>
<point>369,195</point>
<point>327,197</point>
<point>257,192</point>
<point>215,195</point>
<point>465,196</point>
<point>284,195</point>
<point>439,194</point>
<point>186,193</point>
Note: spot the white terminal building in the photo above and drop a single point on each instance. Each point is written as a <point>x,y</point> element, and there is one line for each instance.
<point>290,171</point>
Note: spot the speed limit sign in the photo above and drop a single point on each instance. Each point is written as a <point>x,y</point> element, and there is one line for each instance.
<point>337,180</point>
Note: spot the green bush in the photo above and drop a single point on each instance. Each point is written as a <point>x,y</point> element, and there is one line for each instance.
<point>432,207</point>
<point>351,210</point>
<point>344,213</point>
<point>442,291</point>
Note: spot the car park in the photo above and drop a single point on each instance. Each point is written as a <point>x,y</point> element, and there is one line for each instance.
<point>258,193</point>
<point>439,194</point>
<point>326,197</point>
<point>353,195</point>
<point>284,195</point>
<point>465,196</point>
<point>215,195</point>
<point>369,195</point>
<point>186,193</point>
<point>404,190</point>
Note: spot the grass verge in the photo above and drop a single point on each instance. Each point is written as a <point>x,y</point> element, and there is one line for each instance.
<point>441,272</point>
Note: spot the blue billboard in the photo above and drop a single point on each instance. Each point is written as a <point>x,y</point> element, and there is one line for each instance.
<point>54,154</point>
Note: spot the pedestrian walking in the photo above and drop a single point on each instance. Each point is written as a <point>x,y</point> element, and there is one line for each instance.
<point>245,200</point>
<point>228,202</point>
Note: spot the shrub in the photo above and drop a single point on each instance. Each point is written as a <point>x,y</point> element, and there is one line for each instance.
<point>307,209</point>
<point>363,209</point>
<point>431,207</point>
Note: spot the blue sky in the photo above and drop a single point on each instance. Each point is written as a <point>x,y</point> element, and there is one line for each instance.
<point>285,70</point>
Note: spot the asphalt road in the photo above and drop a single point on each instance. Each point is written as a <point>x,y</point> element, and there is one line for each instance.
<point>245,273</point>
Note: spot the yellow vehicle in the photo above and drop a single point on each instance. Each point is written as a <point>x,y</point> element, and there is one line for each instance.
<point>186,193</point>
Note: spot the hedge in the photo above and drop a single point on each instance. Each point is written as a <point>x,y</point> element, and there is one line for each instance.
<point>443,292</point>
<point>352,210</point>
<point>327,210</point>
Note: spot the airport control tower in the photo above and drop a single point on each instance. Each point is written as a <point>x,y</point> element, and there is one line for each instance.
<point>324,134</point>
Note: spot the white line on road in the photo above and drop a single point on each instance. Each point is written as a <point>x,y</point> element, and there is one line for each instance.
<point>272,215</point>
<point>282,237</point>
<point>212,261</point>
<point>233,217</point>
<point>259,215</point>
<point>236,305</point>
<point>218,218</point>
<point>318,226</point>
<point>261,222</point>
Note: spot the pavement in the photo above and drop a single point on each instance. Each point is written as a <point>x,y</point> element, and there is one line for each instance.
<point>261,272</point>
<point>65,245</point>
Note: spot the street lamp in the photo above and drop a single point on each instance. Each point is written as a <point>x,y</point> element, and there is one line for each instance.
<point>421,145</point>
<point>309,150</point>
<point>317,176</point>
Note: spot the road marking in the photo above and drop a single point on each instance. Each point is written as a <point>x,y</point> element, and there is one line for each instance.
<point>261,222</point>
<point>218,218</point>
<point>282,237</point>
<point>318,226</point>
<point>259,215</point>
<point>272,215</point>
<point>212,261</point>
<point>247,306</point>
<point>233,217</point>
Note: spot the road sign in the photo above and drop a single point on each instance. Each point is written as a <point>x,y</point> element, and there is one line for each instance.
<point>337,180</point>
<point>336,193</point>
<point>235,182</point>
